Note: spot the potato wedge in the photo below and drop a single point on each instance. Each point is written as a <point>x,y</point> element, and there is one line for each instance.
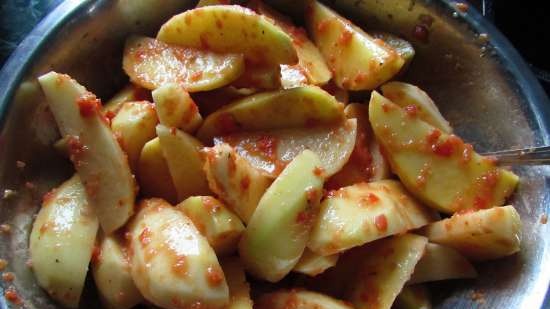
<point>379,281</point>
<point>441,263</point>
<point>260,77</point>
<point>230,29</point>
<point>153,173</point>
<point>364,212</point>
<point>312,264</point>
<point>366,162</point>
<point>439,169</point>
<point>172,264</point>
<point>95,152</point>
<point>62,241</point>
<point>480,235</point>
<point>239,289</point>
<point>175,108</point>
<point>270,151</point>
<point>112,277</point>
<point>151,63</point>
<point>134,125</point>
<point>181,152</point>
<point>311,63</point>
<point>221,227</point>
<point>413,297</point>
<point>299,299</point>
<point>290,108</point>
<point>374,62</point>
<point>401,46</point>
<point>278,231</point>
<point>130,93</point>
<point>416,101</point>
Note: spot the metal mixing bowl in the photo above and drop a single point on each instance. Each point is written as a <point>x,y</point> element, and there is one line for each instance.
<point>486,91</point>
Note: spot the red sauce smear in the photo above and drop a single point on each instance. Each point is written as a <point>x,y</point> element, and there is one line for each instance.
<point>318,171</point>
<point>381,223</point>
<point>96,255</point>
<point>12,296</point>
<point>8,277</point>
<point>180,266</point>
<point>226,124</point>
<point>411,110</point>
<point>88,104</point>
<point>345,37</point>
<point>322,26</point>
<point>145,237</point>
<point>214,276</point>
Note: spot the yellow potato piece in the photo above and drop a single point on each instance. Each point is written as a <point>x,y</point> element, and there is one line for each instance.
<point>383,273</point>
<point>270,151</point>
<point>151,63</point>
<point>234,180</point>
<point>416,101</point>
<point>230,29</point>
<point>364,212</point>
<point>480,235</point>
<point>312,264</point>
<point>129,93</point>
<point>239,289</point>
<point>413,297</point>
<point>260,77</point>
<point>439,169</point>
<point>277,233</point>
<point>299,299</point>
<point>401,46</point>
<point>134,125</point>
<point>441,263</point>
<point>291,108</point>
<point>111,271</point>
<point>175,108</point>
<point>153,173</point>
<point>218,224</point>
<point>95,152</point>
<point>357,60</point>
<point>181,152</point>
<point>62,241</point>
<point>172,264</point>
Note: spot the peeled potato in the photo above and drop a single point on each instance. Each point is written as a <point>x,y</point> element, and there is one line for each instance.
<point>438,168</point>
<point>270,151</point>
<point>357,60</point>
<point>260,77</point>
<point>221,227</point>
<point>299,299</point>
<point>401,46</point>
<point>312,264</point>
<point>134,125</point>
<point>130,93</point>
<point>480,235</point>
<point>239,289</point>
<point>230,29</point>
<point>151,63</point>
<point>175,108</point>
<point>62,241</point>
<point>153,173</point>
<point>276,235</point>
<point>172,264</point>
<point>94,150</point>
<point>291,108</point>
<point>364,212</point>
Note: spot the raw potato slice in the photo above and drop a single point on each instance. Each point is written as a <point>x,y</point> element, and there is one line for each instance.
<point>111,271</point>
<point>403,47</point>
<point>172,264</point>
<point>219,225</point>
<point>313,264</point>
<point>374,62</point>
<point>481,235</point>
<point>439,169</point>
<point>311,63</point>
<point>239,289</point>
<point>290,108</point>
<point>230,29</point>
<point>413,297</point>
<point>62,241</point>
<point>234,180</point>
<point>364,212</point>
<point>442,263</point>
<point>299,299</point>
<point>416,101</point>
<point>130,93</point>
<point>153,173</point>
<point>366,162</point>
<point>382,275</point>
<point>181,152</point>
<point>270,151</point>
<point>134,125</point>
<point>175,108</point>
<point>96,154</point>
<point>277,233</point>
<point>151,63</point>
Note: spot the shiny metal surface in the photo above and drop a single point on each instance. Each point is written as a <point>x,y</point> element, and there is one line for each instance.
<point>532,156</point>
<point>489,95</point>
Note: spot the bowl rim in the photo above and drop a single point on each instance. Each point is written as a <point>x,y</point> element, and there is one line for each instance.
<point>24,56</point>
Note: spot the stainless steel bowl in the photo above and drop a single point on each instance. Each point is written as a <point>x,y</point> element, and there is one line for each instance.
<point>485,90</point>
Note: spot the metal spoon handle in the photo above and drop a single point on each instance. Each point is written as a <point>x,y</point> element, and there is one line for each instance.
<point>525,156</point>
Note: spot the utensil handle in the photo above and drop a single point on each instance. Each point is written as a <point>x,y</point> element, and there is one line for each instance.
<point>525,156</point>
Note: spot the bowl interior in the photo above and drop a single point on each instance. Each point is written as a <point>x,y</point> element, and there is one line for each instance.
<point>484,90</point>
